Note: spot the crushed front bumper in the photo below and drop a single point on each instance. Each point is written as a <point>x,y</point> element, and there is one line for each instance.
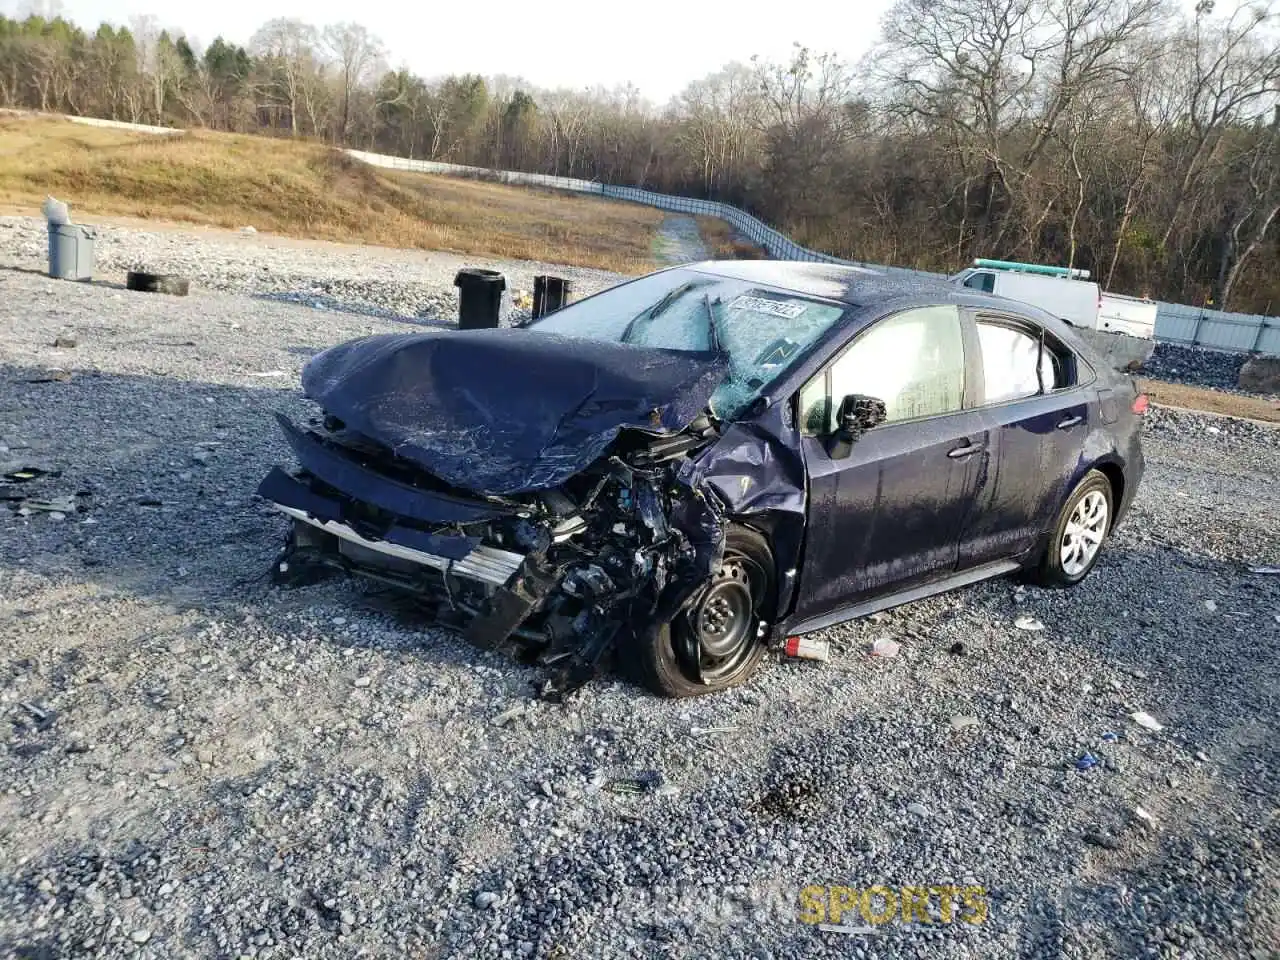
<point>395,545</point>
<point>485,564</point>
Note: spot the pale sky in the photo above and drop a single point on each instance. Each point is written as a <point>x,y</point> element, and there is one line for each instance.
<point>659,45</point>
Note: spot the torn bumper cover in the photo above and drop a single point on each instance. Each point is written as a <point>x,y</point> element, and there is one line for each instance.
<point>522,490</point>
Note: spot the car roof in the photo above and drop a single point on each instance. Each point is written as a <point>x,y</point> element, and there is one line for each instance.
<point>865,289</point>
<point>855,286</point>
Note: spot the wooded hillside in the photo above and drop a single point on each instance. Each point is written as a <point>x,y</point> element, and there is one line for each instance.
<point>1123,136</point>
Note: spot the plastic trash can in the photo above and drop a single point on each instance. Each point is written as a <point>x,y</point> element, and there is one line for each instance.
<point>70,251</point>
<point>550,294</point>
<point>479,298</point>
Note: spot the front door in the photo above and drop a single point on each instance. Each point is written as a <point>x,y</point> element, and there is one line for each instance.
<point>889,514</point>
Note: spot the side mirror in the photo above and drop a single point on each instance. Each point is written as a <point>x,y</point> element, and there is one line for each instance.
<point>857,414</point>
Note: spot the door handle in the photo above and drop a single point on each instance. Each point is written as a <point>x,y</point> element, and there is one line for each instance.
<point>1070,422</point>
<point>968,450</point>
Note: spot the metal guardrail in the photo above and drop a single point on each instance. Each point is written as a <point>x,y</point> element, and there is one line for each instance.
<point>780,246</point>
<point>1175,323</point>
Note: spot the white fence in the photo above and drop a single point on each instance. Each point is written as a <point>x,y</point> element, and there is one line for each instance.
<point>122,125</point>
<point>1176,323</point>
<point>94,122</point>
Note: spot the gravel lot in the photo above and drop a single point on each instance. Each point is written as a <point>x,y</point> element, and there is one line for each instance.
<point>197,764</point>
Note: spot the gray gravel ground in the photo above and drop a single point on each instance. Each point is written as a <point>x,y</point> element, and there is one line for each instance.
<point>197,764</point>
<point>376,281</point>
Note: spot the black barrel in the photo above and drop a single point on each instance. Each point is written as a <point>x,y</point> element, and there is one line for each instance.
<point>479,298</point>
<point>550,294</point>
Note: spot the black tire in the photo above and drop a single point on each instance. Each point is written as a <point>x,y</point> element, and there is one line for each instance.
<point>157,283</point>
<point>1050,571</point>
<point>660,660</point>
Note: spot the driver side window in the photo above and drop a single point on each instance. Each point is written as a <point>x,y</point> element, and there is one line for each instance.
<point>986,282</point>
<point>913,361</point>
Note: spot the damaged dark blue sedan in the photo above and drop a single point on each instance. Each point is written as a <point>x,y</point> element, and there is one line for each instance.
<point>691,466</point>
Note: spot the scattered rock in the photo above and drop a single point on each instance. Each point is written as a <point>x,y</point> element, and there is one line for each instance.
<point>504,718</point>
<point>1026,622</point>
<point>919,809</point>
<point>485,900</point>
<point>65,342</point>
<point>1146,721</point>
<point>1099,839</point>
<point>1260,375</point>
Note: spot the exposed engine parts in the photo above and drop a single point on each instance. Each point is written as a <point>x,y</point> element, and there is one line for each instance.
<point>560,573</point>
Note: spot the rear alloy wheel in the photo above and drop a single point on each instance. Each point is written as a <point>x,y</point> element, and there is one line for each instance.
<point>1076,541</point>
<point>714,643</point>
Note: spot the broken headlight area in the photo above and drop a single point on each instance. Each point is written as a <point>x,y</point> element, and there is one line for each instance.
<point>564,575</point>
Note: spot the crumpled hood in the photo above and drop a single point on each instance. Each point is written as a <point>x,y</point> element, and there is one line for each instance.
<point>504,411</point>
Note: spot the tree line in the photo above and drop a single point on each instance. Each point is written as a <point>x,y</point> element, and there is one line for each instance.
<point>1128,137</point>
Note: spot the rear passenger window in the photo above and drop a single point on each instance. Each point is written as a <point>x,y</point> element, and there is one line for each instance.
<point>986,282</point>
<point>1015,366</point>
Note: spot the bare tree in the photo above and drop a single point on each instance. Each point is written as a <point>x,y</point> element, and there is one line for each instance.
<point>357,54</point>
<point>719,118</point>
<point>1257,212</point>
<point>1229,69</point>
<point>289,46</point>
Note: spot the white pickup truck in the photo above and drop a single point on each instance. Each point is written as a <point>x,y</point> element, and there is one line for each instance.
<point>1070,294</point>
<point>1067,294</point>
<point>1135,316</point>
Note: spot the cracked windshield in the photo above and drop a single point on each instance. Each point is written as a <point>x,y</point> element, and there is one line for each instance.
<point>761,331</point>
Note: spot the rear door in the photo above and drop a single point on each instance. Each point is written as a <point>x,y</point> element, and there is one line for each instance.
<point>1037,407</point>
<point>889,515</point>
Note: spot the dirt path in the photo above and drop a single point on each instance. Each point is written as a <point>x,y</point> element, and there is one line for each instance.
<point>1211,401</point>
<point>679,241</point>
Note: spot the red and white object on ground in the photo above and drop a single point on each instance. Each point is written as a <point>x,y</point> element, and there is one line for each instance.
<point>885,648</point>
<point>804,648</point>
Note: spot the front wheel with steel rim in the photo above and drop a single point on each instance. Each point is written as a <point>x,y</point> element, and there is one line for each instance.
<point>714,642</point>
<point>1076,540</point>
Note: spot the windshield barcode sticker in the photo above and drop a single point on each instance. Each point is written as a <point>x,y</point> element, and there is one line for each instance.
<point>776,308</point>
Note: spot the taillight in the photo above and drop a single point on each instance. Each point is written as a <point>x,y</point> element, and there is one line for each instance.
<point>1141,404</point>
